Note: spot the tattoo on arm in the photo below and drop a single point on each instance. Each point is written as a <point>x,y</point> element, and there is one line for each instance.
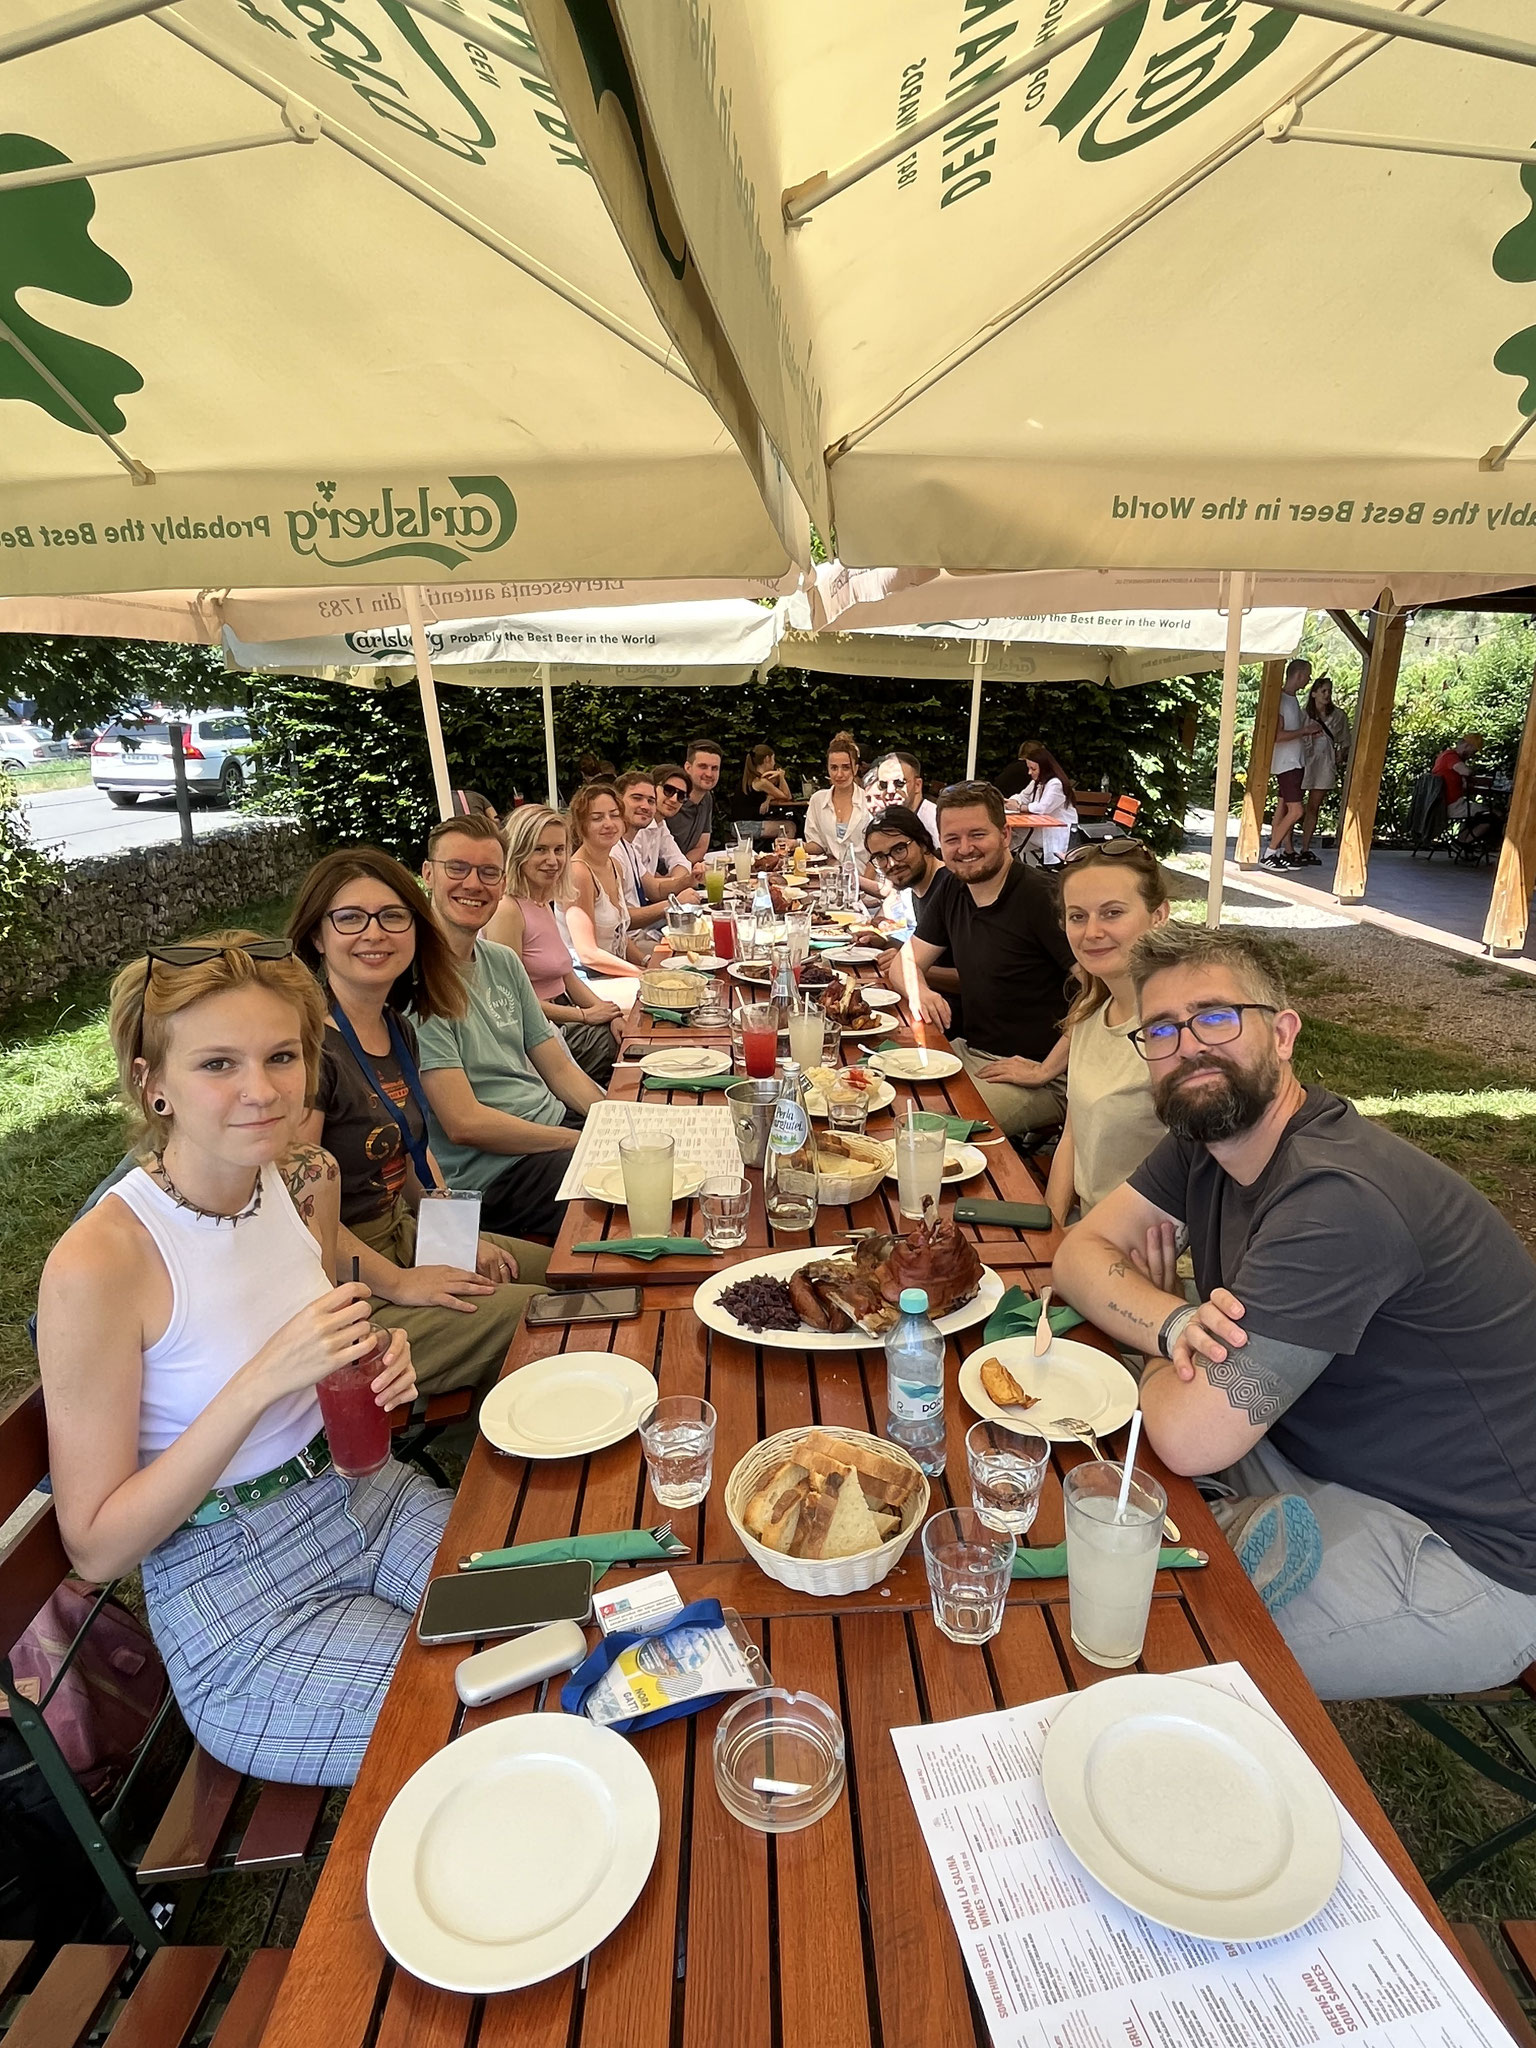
<point>1118,1270</point>
<point>1129,1315</point>
<point>1253,1392</point>
<point>305,1170</point>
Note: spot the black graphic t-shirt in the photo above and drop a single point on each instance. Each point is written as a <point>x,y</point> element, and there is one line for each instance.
<point>360,1134</point>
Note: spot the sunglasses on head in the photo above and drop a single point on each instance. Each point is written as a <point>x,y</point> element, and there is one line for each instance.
<point>1111,849</point>
<point>199,956</point>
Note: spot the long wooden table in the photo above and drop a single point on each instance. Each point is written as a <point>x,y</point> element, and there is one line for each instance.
<point>838,1933</point>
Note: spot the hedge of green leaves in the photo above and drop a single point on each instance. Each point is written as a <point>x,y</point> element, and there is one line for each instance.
<point>24,871</point>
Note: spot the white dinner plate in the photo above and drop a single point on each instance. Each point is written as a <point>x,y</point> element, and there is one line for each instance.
<point>881,1095</point>
<point>1192,1807</point>
<point>752,972</point>
<point>780,1265</point>
<point>916,1063</point>
<point>567,1405</point>
<point>1071,1379</point>
<point>606,1183</point>
<point>881,998</point>
<point>702,963</point>
<point>961,1163</point>
<point>687,1062</point>
<point>875,1028</point>
<point>513,1852</point>
<point>854,956</point>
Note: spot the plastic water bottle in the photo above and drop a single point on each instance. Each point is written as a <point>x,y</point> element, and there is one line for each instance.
<point>914,1382</point>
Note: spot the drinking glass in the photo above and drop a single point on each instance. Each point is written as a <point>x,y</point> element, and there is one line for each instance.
<point>356,1427</point>
<point>1111,1563</point>
<point>678,1438</point>
<point>743,858</point>
<point>849,1115</point>
<point>722,926</point>
<point>1007,1466</point>
<point>646,1164</point>
<point>799,925</point>
<point>968,1568</point>
<point>759,1039</point>
<point>919,1161</point>
<point>807,1034</point>
<point>711,1009</point>
<point>714,886</point>
<point>725,1206</point>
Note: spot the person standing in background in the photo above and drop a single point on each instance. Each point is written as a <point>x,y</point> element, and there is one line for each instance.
<point>1327,758</point>
<point>1287,764</point>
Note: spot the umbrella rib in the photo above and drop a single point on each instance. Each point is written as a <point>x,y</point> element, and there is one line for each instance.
<point>138,471</point>
<point>661,354</point>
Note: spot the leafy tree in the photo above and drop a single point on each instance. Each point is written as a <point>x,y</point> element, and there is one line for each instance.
<point>77,681</point>
<point>25,870</point>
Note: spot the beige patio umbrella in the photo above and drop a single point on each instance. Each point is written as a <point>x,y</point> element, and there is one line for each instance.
<point>1030,284</point>
<point>303,293</point>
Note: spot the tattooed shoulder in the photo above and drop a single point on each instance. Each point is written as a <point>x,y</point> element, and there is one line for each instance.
<point>306,1170</point>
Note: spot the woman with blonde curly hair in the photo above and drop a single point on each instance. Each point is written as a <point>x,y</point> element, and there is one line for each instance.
<point>539,887</point>
<point>183,1326</point>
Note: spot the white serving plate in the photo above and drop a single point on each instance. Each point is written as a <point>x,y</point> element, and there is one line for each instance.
<point>606,1183</point>
<point>1192,1807</point>
<point>686,1062</point>
<point>567,1405</point>
<point>916,1063</point>
<point>513,1852</point>
<point>961,1163</point>
<point>1069,1379</point>
<point>881,1096</point>
<point>780,1265</point>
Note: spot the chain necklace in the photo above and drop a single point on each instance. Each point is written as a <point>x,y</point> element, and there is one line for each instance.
<point>252,1207</point>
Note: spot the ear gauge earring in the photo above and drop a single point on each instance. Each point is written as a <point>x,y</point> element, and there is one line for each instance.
<point>159,1105</point>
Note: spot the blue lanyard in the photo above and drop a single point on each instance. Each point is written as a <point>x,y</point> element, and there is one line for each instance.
<point>408,1074</point>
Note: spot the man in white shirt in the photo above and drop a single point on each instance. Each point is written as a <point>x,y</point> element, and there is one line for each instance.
<point>898,779</point>
<point>1287,764</point>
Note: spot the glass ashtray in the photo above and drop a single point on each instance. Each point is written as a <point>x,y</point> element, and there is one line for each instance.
<point>779,1760</point>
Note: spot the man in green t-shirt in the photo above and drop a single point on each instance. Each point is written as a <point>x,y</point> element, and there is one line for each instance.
<point>505,1099</point>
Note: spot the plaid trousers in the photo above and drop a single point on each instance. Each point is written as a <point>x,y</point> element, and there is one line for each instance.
<point>281,1627</point>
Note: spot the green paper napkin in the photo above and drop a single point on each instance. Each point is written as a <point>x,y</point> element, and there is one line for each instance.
<point>962,1128</point>
<point>663,1016</point>
<point>649,1247</point>
<point>604,1550</point>
<point>693,1084</point>
<point>1018,1315</point>
<point>1050,1561</point>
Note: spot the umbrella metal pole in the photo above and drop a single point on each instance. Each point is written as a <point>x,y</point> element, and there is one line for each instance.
<point>547,693</point>
<point>426,682</point>
<point>1237,591</point>
<point>978,663</point>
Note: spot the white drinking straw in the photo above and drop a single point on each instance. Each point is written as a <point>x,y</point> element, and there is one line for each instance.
<point>1130,1459</point>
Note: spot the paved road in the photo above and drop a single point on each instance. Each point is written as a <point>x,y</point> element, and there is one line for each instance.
<point>77,822</point>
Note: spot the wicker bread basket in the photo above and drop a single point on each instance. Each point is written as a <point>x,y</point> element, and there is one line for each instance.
<point>822,1576</point>
<point>844,1181</point>
<point>671,988</point>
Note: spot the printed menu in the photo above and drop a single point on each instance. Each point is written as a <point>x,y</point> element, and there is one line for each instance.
<point>704,1135</point>
<point>1058,1963</point>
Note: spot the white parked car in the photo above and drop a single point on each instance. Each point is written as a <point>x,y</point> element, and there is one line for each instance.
<point>29,746</point>
<point>132,758</point>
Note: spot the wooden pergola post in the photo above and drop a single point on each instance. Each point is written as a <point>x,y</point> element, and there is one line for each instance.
<point>1261,748</point>
<point>1373,728</point>
<point>1510,910</point>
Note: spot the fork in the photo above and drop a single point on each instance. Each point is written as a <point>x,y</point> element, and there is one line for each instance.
<point>1085,1434</point>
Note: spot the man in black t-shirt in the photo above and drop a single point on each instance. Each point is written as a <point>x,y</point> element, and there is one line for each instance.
<point>1002,933</point>
<point>1363,1347</point>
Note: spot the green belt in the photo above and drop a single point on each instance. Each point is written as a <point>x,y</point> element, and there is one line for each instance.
<point>309,1463</point>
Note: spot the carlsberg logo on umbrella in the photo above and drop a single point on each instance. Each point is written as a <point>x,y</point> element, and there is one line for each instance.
<point>410,523</point>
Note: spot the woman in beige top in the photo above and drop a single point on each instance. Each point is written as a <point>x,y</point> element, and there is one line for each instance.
<point>1110,895</point>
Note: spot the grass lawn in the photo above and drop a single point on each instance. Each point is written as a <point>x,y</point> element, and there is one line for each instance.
<point>60,1132</point>
<point>57,775</point>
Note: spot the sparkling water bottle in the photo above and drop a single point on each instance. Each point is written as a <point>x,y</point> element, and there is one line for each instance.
<point>762,902</point>
<point>789,1159</point>
<point>914,1382</point>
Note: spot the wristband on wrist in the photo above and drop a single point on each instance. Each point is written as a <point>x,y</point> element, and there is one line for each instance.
<point>1168,1335</point>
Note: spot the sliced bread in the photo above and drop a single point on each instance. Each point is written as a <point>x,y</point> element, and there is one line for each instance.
<point>886,1482</point>
<point>773,1512</point>
<point>835,1520</point>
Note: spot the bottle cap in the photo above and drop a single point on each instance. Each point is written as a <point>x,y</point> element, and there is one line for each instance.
<point>913,1302</point>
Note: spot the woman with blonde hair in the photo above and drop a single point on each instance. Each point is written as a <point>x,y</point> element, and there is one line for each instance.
<point>183,1325</point>
<point>597,914</point>
<point>539,885</point>
<point>836,817</point>
<point>363,926</point>
<point>1110,895</point>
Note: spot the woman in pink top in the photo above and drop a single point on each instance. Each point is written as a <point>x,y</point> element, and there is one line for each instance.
<point>538,877</point>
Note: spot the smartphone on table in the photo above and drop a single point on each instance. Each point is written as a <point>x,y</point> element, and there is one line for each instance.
<point>1022,1215</point>
<point>590,1305</point>
<point>461,1606</point>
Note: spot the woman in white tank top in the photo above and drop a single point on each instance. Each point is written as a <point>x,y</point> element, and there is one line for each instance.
<point>183,1325</point>
<point>598,914</point>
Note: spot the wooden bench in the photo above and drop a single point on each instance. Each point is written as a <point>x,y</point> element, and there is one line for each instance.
<point>169,2002</point>
<point>1494,1980</point>
<point>196,1833</point>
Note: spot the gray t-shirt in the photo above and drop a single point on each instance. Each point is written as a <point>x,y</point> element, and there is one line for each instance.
<point>490,1042</point>
<point>694,817</point>
<point>1417,1301</point>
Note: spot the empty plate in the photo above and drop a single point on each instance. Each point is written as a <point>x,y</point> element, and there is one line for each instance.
<point>561,1407</point>
<point>686,1062</point>
<point>881,998</point>
<point>854,956</point>
<point>1070,1379</point>
<point>916,1063</point>
<point>513,1852</point>
<point>1192,1807</point>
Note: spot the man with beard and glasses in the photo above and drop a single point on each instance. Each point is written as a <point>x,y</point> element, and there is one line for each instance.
<point>997,922</point>
<point>1359,1364</point>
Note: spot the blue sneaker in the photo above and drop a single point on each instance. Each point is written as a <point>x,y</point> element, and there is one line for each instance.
<point>1278,1543</point>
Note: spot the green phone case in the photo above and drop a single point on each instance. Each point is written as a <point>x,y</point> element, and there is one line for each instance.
<point>1023,1215</point>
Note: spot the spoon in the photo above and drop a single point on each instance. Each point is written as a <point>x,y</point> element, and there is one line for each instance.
<point>1085,1435</point>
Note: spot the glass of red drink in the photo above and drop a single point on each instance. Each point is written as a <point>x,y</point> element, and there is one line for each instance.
<point>356,1427</point>
<point>723,932</point>
<point>760,1039</point>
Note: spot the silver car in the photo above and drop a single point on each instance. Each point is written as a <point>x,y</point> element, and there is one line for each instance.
<point>133,758</point>
<point>29,746</point>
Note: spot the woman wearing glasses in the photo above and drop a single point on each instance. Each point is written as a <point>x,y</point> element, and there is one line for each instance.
<point>539,878</point>
<point>1110,895</point>
<point>361,923</point>
<point>183,1325</point>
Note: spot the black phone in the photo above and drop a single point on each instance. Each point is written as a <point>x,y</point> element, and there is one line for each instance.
<point>636,1050</point>
<point>592,1305</point>
<point>463,1605</point>
<point>1022,1215</point>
